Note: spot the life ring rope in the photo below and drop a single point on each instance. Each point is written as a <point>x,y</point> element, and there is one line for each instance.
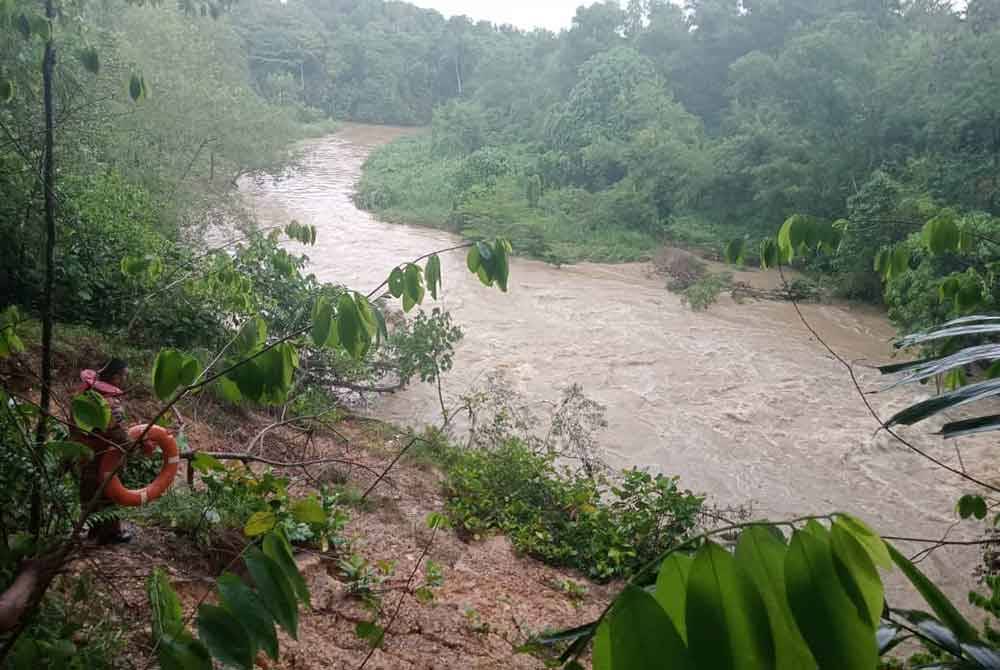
<point>117,492</point>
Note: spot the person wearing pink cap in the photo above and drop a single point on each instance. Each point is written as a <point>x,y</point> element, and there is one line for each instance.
<point>108,381</point>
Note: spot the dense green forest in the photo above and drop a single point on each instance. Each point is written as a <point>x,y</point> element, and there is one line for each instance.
<point>713,121</point>
<point>865,133</point>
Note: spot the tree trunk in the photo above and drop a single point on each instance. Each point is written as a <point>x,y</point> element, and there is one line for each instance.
<point>48,188</point>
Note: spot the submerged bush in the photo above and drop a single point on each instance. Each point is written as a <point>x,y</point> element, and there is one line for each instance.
<point>604,528</point>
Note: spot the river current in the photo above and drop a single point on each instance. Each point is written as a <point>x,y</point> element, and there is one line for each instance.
<point>740,401</point>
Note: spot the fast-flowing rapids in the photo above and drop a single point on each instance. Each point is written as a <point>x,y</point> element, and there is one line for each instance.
<point>740,401</point>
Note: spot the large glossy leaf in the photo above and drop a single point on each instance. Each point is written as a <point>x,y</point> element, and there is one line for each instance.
<point>245,605</point>
<point>432,273</point>
<point>397,283</point>
<point>857,574</point>
<point>876,547</point>
<point>349,326</point>
<point>838,637</point>
<point>275,590</point>
<point>768,254</point>
<point>501,263</point>
<point>941,234</point>
<point>639,634</point>
<point>957,398</point>
<point>671,589</point>
<point>366,317</point>
<point>308,510</point>
<point>252,335</point>
<point>932,629</point>
<point>924,369</point>
<point>979,424</point>
<point>91,411</point>
<point>167,372</point>
<point>413,286</point>
<point>182,652</point>
<point>322,322</point>
<point>226,638</point>
<point>259,523</point>
<point>761,556</point>
<point>276,547</point>
<point>165,606</point>
<point>938,602</point>
<point>734,251</point>
<point>972,328</point>
<point>727,622</point>
<point>889,637</point>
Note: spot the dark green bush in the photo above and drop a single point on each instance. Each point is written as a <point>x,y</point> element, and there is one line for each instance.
<point>603,528</point>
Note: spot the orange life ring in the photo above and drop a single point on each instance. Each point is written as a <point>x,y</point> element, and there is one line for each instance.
<point>117,492</point>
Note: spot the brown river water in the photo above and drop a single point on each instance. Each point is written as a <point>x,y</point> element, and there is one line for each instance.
<point>740,401</point>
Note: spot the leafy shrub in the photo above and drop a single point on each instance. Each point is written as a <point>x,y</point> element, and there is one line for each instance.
<point>238,498</point>
<point>604,528</point>
<point>703,293</point>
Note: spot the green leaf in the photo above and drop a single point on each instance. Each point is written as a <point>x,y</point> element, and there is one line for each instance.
<point>370,631</point>
<point>90,60</point>
<point>899,261</point>
<point>501,263</point>
<point>260,522</point>
<point>226,638</point>
<point>349,327</point>
<point>671,589</point>
<point>366,317</point>
<point>794,236</point>
<point>761,556</point>
<point>971,505</point>
<point>413,287</point>
<point>202,462</point>
<point>857,574</point>
<point>768,254</point>
<point>437,520</point>
<point>276,548</point>
<point>171,370</point>
<point>6,90</point>
<point>938,602</point>
<point>734,251</point>
<point>91,411</point>
<point>936,404</point>
<point>640,635</point>
<point>308,511</point>
<point>183,652</point>
<point>246,605</point>
<point>396,283</point>
<point>432,273</point>
<point>472,260</point>
<point>837,635</point>
<point>322,322</point>
<point>869,539</point>
<point>252,335</point>
<point>165,606</point>
<point>276,592</point>
<point>727,624</point>
<point>602,647</point>
<point>70,451</point>
<point>941,234</point>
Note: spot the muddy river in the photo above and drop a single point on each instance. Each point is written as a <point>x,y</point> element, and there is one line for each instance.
<point>740,401</point>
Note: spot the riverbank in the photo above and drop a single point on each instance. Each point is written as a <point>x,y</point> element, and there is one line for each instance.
<point>740,401</point>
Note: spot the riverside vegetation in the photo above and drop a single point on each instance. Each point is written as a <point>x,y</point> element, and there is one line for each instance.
<point>126,132</point>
